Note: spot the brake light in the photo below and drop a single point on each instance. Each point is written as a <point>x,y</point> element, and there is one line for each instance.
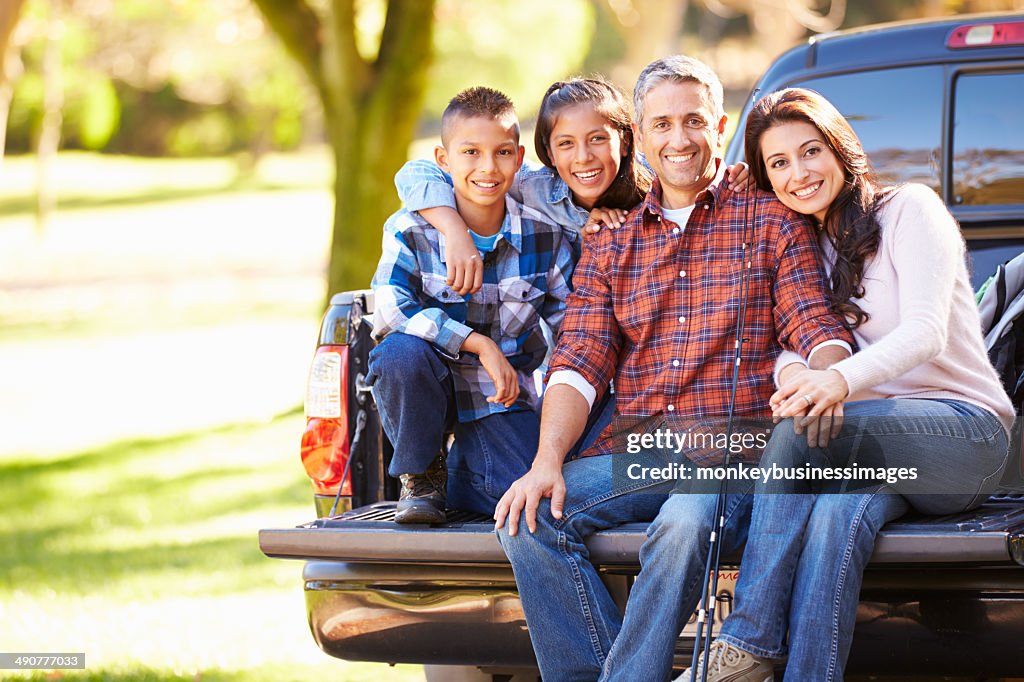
<point>986,35</point>
<point>325,442</point>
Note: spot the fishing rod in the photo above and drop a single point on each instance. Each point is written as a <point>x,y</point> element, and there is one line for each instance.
<point>709,597</point>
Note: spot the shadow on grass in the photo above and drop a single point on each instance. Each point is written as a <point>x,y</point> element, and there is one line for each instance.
<point>27,204</point>
<point>49,539</point>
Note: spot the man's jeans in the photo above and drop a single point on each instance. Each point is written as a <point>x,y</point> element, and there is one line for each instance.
<point>805,556</point>
<point>412,387</point>
<point>576,628</point>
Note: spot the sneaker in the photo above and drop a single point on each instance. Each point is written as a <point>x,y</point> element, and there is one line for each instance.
<point>422,499</point>
<point>726,663</point>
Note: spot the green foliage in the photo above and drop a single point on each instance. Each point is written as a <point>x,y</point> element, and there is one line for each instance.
<point>516,46</point>
<point>186,77</point>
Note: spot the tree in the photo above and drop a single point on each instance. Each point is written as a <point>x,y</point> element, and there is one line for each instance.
<point>9,62</point>
<point>371,107</point>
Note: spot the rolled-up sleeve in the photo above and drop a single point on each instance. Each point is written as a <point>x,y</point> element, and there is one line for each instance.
<point>803,318</point>
<point>590,337</point>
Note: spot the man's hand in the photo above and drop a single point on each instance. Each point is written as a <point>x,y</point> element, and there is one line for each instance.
<point>814,398</point>
<point>465,266</point>
<point>542,480</point>
<point>505,378</point>
<point>739,178</point>
<point>609,217</point>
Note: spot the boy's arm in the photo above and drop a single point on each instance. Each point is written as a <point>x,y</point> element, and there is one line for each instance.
<point>398,298</point>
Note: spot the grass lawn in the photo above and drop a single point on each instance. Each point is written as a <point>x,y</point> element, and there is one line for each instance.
<point>153,346</point>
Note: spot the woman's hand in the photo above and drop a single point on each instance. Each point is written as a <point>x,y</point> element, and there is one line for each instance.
<point>465,266</point>
<point>609,217</point>
<point>739,178</point>
<point>814,398</point>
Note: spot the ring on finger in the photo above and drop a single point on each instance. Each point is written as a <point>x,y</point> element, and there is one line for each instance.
<point>808,398</point>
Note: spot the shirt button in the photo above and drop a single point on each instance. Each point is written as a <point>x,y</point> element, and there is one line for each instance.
<point>675,230</point>
<point>682,273</point>
<point>675,363</point>
<point>671,407</point>
<point>682,318</point>
<point>707,206</point>
<point>657,217</point>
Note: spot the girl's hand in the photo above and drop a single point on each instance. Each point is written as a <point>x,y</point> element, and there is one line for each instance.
<point>609,217</point>
<point>465,266</point>
<point>739,178</point>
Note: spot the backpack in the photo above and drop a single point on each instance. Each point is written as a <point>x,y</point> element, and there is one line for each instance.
<point>1001,304</point>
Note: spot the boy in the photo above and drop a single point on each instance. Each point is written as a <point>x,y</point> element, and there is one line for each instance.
<point>464,364</point>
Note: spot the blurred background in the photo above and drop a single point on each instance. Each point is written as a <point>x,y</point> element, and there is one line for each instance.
<point>182,184</point>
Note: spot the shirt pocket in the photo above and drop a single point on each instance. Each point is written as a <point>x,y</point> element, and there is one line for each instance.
<point>520,302</point>
<point>436,289</point>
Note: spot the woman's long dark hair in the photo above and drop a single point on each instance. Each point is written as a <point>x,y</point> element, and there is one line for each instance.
<point>851,222</point>
<point>633,181</point>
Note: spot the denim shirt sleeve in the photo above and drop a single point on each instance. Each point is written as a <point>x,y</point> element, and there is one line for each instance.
<point>422,184</point>
<point>542,190</point>
<point>398,303</point>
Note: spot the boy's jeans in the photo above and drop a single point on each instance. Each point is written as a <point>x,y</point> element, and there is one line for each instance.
<point>576,628</point>
<point>413,389</point>
<point>804,560</point>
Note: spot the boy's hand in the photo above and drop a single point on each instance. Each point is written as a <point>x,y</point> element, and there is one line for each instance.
<point>739,178</point>
<point>506,381</point>
<point>465,266</point>
<point>609,217</point>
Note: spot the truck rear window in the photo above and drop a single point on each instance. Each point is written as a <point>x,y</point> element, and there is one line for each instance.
<point>988,139</point>
<point>897,113</point>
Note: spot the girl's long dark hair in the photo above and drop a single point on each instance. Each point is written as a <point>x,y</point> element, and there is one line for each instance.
<point>633,181</point>
<point>851,222</point>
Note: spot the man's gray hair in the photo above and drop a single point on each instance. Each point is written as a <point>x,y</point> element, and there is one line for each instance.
<point>678,69</point>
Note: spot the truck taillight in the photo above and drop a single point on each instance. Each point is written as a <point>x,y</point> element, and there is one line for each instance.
<point>325,442</point>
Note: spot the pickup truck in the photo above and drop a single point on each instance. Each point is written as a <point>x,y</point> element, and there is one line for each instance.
<point>936,102</point>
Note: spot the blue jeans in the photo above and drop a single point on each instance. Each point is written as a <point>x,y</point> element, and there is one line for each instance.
<point>577,630</point>
<point>806,553</point>
<point>413,389</point>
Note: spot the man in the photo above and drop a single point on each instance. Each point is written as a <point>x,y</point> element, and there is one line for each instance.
<point>655,308</point>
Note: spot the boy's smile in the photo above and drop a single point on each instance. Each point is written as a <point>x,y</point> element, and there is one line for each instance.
<point>482,157</point>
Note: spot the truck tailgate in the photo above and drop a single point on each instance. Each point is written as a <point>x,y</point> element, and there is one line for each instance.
<point>992,534</point>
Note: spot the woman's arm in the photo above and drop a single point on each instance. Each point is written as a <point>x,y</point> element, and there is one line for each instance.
<point>924,243</point>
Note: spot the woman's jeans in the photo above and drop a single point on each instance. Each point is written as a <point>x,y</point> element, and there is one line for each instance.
<point>806,552</point>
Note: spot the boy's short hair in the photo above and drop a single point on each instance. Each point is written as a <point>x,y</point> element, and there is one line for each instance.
<point>478,101</point>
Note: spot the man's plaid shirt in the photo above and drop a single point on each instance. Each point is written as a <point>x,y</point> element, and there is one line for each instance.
<point>655,307</point>
<point>526,278</point>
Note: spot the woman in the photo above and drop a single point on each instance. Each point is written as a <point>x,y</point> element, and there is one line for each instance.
<point>923,395</point>
<point>584,137</point>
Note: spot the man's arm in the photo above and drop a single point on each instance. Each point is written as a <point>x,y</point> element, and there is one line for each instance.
<point>803,317</point>
<point>588,346</point>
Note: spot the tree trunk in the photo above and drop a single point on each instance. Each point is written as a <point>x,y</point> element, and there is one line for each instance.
<point>9,63</point>
<point>370,135</point>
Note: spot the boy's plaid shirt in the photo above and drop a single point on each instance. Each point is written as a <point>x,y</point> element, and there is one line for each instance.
<point>526,278</point>
<point>655,307</point>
